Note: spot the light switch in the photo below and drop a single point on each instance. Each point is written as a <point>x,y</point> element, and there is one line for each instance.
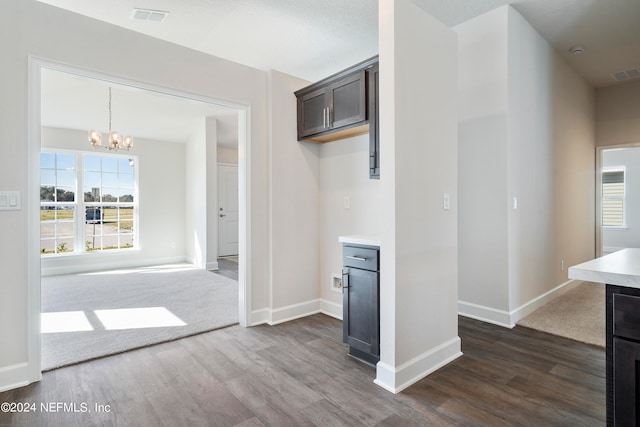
<point>346,202</point>
<point>9,200</point>
<point>446,203</point>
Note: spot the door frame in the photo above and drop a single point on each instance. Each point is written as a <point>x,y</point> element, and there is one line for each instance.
<point>599,150</point>
<point>35,66</point>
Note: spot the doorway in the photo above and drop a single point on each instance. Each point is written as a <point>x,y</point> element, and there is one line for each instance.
<point>228,214</point>
<point>37,67</point>
<point>617,198</point>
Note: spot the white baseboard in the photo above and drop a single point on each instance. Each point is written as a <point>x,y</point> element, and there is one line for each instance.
<point>396,379</point>
<point>485,314</point>
<point>295,311</point>
<point>528,308</point>
<point>509,319</point>
<point>212,266</point>
<point>331,309</point>
<point>14,376</point>
<point>85,265</point>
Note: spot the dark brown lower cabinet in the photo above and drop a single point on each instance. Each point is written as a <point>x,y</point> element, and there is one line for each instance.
<point>360,303</point>
<point>623,356</point>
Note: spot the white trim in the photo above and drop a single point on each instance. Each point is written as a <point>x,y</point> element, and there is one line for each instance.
<point>331,309</point>
<point>396,379</point>
<point>212,266</point>
<point>32,372</point>
<point>296,311</point>
<point>14,376</point>
<point>528,308</point>
<point>81,267</point>
<point>509,319</point>
<point>485,314</point>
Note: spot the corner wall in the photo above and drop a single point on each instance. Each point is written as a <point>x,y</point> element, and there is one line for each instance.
<point>539,185</point>
<point>418,236</point>
<point>618,114</point>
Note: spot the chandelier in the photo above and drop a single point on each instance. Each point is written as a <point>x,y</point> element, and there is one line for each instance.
<point>116,141</point>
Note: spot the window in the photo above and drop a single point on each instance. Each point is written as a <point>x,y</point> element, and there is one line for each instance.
<point>104,218</point>
<point>58,204</point>
<point>613,193</point>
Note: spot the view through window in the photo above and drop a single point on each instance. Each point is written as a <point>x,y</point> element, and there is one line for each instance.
<point>103,218</point>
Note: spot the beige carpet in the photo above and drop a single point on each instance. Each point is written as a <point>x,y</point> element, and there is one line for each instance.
<point>579,315</point>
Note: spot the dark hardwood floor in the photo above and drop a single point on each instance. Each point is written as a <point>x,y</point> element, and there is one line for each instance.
<point>299,374</point>
<point>228,267</point>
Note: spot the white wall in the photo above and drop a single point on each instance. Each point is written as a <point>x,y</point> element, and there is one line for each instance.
<point>227,155</point>
<point>418,142</point>
<point>482,163</point>
<point>344,173</point>
<point>294,207</point>
<point>546,163</point>
<point>629,236</point>
<point>161,172</point>
<point>618,114</point>
<point>32,28</point>
<point>211,167</point>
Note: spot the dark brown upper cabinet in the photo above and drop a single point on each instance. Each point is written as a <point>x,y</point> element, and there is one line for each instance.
<point>336,107</point>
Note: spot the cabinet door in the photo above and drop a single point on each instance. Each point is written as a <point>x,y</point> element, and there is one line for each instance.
<point>626,378</point>
<point>348,100</point>
<point>360,310</point>
<point>374,123</point>
<point>313,112</point>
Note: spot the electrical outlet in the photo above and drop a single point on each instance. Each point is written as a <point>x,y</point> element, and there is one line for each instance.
<point>562,265</point>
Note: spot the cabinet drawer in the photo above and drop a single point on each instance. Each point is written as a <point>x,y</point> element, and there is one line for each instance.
<point>626,316</point>
<point>365,258</point>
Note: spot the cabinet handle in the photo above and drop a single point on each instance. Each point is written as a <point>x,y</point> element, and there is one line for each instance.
<point>355,258</point>
<point>329,117</point>
<point>324,118</point>
<point>345,280</point>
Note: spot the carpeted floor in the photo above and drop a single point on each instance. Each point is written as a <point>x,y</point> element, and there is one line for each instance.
<point>578,314</point>
<point>87,316</point>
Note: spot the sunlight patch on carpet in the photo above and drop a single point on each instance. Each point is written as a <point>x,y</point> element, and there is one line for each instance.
<point>64,321</point>
<point>137,318</point>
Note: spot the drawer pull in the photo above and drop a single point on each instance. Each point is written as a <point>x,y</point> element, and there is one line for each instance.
<point>356,258</point>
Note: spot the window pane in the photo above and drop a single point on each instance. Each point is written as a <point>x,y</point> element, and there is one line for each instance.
<point>47,160</point>
<point>126,241</point>
<point>125,166</point>
<point>64,245</point>
<point>109,164</point>
<point>91,179</point>
<point>65,195</point>
<point>110,180</point>
<point>47,177</point>
<point>47,193</point>
<point>65,161</point>
<point>91,163</point>
<point>126,181</point>
<point>66,214</point>
<point>109,195</point>
<point>91,194</point>
<point>65,178</point>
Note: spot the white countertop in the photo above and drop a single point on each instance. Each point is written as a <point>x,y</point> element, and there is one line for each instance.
<point>620,268</point>
<point>361,239</point>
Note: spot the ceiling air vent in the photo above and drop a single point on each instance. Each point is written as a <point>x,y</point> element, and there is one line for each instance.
<point>632,73</point>
<point>148,15</point>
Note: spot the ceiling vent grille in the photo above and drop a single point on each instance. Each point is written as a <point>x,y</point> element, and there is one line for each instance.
<point>148,15</point>
<point>632,73</point>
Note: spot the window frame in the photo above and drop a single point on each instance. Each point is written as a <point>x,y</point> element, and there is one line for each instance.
<point>80,234</point>
<point>623,198</point>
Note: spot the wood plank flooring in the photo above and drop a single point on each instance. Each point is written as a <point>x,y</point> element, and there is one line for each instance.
<point>227,268</point>
<point>299,374</point>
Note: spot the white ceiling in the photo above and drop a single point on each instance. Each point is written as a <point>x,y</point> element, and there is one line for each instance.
<point>75,102</point>
<point>312,39</point>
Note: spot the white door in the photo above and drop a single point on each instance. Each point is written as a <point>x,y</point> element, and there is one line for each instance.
<point>227,210</point>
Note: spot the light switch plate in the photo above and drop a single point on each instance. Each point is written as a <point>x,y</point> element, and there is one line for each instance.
<point>10,201</point>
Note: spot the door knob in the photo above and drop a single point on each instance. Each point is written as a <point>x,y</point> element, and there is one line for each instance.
<point>221,215</point>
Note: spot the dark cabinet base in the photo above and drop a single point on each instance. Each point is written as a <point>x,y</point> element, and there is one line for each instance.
<point>623,356</point>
